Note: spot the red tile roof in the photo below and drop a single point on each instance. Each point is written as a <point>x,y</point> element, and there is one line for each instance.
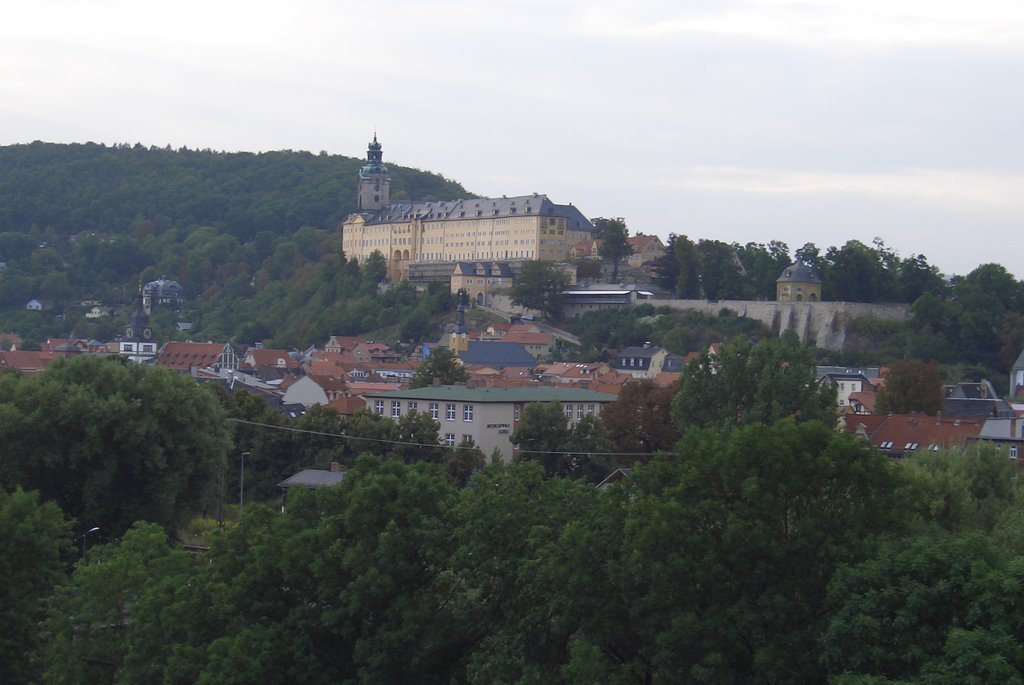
<point>904,433</point>
<point>183,356</point>
<point>25,361</point>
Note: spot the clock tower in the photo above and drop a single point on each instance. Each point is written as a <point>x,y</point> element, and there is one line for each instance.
<point>137,342</point>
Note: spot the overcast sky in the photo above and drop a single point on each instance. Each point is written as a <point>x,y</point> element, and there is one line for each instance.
<point>739,120</point>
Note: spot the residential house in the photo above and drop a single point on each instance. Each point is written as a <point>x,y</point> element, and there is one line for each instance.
<point>535,341</point>
<point>646,249</point>
<point>849,381</point>
<point>647,361</point>
<point>34,306</point>
<point>1006,434</point>
<point>311,390</point>
<point>971,400</point>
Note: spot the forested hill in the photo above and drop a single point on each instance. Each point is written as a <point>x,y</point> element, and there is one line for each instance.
<point>64,190</point>
<point>253,238</point>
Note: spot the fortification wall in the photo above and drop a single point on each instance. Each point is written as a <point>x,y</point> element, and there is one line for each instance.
<point>822,322</point>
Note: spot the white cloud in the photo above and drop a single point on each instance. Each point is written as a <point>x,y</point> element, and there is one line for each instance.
<point>985,24</point>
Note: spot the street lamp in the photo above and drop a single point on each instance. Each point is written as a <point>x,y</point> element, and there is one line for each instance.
<point>241,486</point>
<point>85,535</point>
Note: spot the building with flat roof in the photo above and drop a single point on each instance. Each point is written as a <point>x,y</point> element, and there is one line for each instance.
<point>407,232</point>
<point>487,416</point>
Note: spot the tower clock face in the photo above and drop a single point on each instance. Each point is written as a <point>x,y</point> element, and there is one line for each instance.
<point>129,332</point>
<point>147,333</point>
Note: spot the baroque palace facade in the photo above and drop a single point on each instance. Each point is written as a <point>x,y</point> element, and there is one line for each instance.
<point>493,229</point>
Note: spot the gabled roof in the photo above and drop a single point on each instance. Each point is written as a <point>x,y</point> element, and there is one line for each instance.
<point>329,383</point>
<point>453,210</point>
<point>638,351</point>
<point>497,354</point>
<point>313,478</point>
<point>483,269</point>
<point>25,361</point>
<point>347,406</point>
<point>269,357</point>
<point>905,433</point>
<point>183,356</point>
<point>643,243</point>
<point>976,408</point>
<point>528,338</point>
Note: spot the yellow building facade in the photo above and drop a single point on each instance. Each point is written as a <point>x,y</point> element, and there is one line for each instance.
<point>506,228</point>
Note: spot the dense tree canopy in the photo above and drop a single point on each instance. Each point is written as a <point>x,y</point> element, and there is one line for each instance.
<point>539,286</point>
<point>912,386</point>
<point>613,235</point>
<point>34,536</point>
<point>744,383</point>
<point>112,442</point>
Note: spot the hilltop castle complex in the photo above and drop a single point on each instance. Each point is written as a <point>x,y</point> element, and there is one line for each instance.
<point>407,232</point>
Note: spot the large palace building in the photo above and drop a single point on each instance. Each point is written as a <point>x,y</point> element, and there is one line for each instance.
<point>506,228</point>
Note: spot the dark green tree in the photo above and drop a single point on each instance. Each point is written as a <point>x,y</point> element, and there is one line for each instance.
<point>912,385</point>
<point>112,442</point>
<point>720,277</point>
<point>640,420</point>
<point>939,609</point>
<point>539,286</point>
<point>732,543</point>
<point>90,616</point>
<point>687,285</point>
<point>443,366</point>
<point>35,536</point>
<point>615,246</point>
<point>746,383</point>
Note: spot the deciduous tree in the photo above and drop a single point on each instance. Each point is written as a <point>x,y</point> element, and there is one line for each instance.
<point>539,286</point>
<point>613,235</point>
<point>443,366</point>
<point>912,385</point>
<point>746,383</point>
<point>113,442</point>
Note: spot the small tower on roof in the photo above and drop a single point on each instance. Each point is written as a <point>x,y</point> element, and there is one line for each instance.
<point>374,180</point>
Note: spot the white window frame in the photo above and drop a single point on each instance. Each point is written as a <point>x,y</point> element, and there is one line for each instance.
<point>396,408</point>
<point>449,412</point>
<point>378,406</point>
<point>449,439</point>
<point>467,413</point>
<point>434,411</point>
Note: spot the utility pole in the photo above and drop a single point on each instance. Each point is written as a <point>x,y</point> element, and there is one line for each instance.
<point>241,486</point>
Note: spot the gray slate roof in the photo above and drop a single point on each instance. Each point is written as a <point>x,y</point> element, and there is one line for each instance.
<point>638,352</point>
<point>500,207</point>
<point>313,478</point>
<point>498,355</point>
<point>799,273</point>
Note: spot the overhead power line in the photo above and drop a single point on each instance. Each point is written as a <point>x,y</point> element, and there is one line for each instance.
<point>407,443</point>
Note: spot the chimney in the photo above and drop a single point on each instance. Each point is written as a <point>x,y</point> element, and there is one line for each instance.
<point>335,467</point>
